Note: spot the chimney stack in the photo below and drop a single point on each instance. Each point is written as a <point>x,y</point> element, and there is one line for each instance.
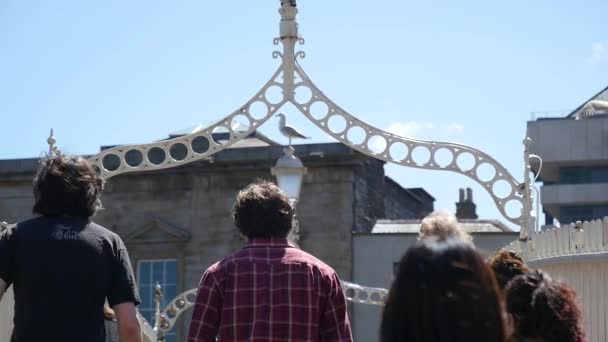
<point>465,207</point>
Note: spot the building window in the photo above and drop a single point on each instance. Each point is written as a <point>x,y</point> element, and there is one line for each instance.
<point>150,272</point>
<point>570,214</point>
<point>583,175</point>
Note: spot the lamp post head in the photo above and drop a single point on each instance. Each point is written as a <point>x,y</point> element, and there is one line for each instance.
<point>158,292</point>
<point>289,172</point>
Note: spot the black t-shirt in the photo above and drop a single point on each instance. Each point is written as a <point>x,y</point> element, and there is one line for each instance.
<point>62,270</point>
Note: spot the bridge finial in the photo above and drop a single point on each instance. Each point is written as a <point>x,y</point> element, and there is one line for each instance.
<point>288,35</point>
<point>290,3</point>
<point>51,141</point>
<point>289,26</point>
<point>527,219</point>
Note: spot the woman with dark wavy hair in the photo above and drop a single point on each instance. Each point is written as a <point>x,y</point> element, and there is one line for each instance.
<point>443,292</point>
<point>543,309</point>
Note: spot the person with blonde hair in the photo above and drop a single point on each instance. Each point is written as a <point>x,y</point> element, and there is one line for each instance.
<point>443,226</point>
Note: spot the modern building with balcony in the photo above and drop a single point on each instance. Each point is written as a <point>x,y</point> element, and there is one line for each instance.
<point>574,152</point>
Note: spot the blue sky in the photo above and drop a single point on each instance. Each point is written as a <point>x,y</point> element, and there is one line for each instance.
<point>117,72</point>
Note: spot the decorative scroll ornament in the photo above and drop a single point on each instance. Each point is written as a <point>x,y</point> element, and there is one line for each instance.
<point>503,188</point>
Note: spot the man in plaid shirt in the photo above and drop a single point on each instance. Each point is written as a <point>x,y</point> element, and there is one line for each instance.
<point>269,290</point>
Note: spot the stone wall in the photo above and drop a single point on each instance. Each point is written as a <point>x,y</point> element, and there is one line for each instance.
<point>16,196</point>
<point>401,204</point>
<point>380,197</point>
<point>369,194</point>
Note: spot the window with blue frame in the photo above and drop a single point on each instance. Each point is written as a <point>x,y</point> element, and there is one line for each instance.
<point>150,272</point>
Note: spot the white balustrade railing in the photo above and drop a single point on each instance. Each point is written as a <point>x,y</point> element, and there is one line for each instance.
<point>184,301</point>
<point>6,315</point>
<point>576,253</point>
<point>555,250</point>
<point>575,239</point>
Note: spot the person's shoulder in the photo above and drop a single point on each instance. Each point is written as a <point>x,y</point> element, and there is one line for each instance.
<point>31,222</point>
<point>103,233</point>
<point>301,256</point>
<point>101,229</point>
<point>229,260</point>
<point>26,225</point>
<point>240,256</point>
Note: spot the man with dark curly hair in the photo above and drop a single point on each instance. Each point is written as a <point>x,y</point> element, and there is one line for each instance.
<point>63,266</point>
<point>269,290</point>
<point>543,309</point>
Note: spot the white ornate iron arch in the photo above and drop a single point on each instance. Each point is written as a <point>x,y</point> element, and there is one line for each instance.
<point>261,107</point>
<point>289,77</point>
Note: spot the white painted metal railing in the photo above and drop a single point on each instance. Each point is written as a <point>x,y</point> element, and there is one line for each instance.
<point>6,315</point>
<point>577,254</point>
<point>572,240</point>
<point>167,318</point>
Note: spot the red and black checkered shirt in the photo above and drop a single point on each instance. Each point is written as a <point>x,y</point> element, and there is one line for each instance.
<point>270,291</point>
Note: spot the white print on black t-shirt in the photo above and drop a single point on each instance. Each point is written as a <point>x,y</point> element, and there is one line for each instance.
<point>65,233</point>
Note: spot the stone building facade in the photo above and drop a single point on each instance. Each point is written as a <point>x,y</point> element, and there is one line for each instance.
<point>176,222</point>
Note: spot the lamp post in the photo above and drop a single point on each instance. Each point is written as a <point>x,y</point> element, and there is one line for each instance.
<point>579,236</point>
<point>289,172</point>
<point>159,320</point>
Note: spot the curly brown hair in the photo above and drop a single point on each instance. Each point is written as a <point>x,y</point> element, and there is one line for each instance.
<point>507,265</point>
<point>263,210</point>
<point>67,186</point>
<point>544,308</point>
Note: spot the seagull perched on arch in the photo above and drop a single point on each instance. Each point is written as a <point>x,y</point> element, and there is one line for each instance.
<point>288,131</point>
